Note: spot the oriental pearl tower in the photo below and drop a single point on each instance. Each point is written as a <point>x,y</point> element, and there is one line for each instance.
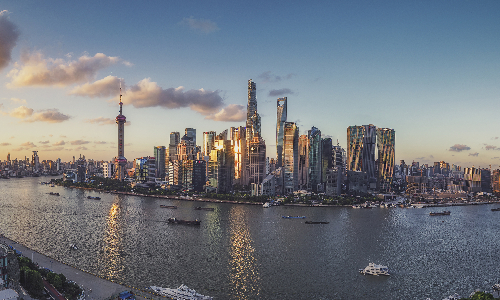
<point>120,160</point>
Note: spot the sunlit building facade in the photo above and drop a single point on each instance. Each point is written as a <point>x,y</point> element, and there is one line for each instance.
<point>303,162</point>
<point>175,139</point>
<point>256,160</point>
<point>237,135</point>
<point>290,157</point>
<point>280,124</point>
<point>361,142</point>
<point>253,118</point>
<point>386,142</point>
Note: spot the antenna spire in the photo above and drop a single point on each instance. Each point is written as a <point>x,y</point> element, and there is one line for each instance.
<point>121,98</point>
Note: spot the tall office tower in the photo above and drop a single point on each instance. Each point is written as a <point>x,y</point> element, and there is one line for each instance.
<point>186,149</point>
<point>221,166</point>
<point>253,118</point>
<point>326,157</point>
<point>208,142</point>
<point>386,139</point>
<point>338,156</point>
<point>191,132</point>
<point>361,150</point>
<point>159,153</point>
<point>145,169</point>
<point>290,157</point>
<point>303,162</point>
<point>315,156</point>
<point>175,139</point>
<point>256,160</point>
<point>8,157</point>
<point>281,119</point>
<point>199,175</point>
<point>35,162</point>
<point>120,160</point>
<point>237,136</point>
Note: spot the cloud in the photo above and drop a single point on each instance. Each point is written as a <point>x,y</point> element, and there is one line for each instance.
<point>8,36</point>
<point>495,138</point>
<point>45,142</point>
<point>79,142</point>
<point>474,154</point>
<point>28,145</point>
<point>101,121</point>
<point>5,144</point>
<point>148,94</point>
<point>100,143</point>
<point>49,116</point>
<point>17,100</point>
<point>60,143</point>
<point>54,149</point>
<point>81,148</point>
<point>21,112</point>
<point>491,147</point>
<point>231,113</point>
<point>280,92</point>
<point>459,148</point>
<point>205,26</point>
<point>36,70</point>
<point>269,77</point>
<point>108,86</point>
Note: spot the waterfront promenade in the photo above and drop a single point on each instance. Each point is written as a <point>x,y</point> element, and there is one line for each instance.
<point>95,288</point>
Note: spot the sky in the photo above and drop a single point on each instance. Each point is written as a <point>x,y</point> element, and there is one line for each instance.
<point>430,70</point>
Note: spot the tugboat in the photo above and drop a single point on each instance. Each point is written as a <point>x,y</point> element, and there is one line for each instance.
<point>443,213</point>
<point>54,194</point>
<point>95,198</point>
<point>184,222</point>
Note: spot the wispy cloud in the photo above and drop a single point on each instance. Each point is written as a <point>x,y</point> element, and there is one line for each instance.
<point>44,142</point>
<point>21,112</point>
<point>490,147</point>
<point>17,100</point>
<point>474,154</point>
<point>49,116</point>
<point>231,113</point>
<point>108,86</point>
<point>459,148</point>
<point>8,38</point>
<point>269,77</point>
<point>148,94</point>
<point>60,143</point>
<point>104,121</point>
<point>280,92</point>
<point>28,145</point>
<point>81,148</point>
<point>202,25</point>
<point>79,142</point>
<point>100,142</point>
<point>36,70</point>
<point>5,144</point>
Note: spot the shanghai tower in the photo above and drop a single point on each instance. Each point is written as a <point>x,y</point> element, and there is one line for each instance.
<point>120,160</point>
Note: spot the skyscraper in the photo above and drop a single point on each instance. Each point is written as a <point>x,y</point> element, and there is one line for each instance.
<point>253,118</point>
<point>303,161</point>
<point>256,160</point>
<point>290,157</point>
<point>386,158</point>
<point>208,142</point>
<point>237,135</point>
<point>159,153</point>
<point>120,160</point>
<point>361,150</point>
<point>280,124</point>
<point>315,172</point>
<point>175,139</point>
<point>191,133</point>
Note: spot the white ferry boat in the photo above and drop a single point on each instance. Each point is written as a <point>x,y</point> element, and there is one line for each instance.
<point>266,205</point>
<point>180,293</point>
<point>374,269</point>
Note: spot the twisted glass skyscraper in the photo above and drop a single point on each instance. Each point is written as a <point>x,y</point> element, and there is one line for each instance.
<point>280,124</point>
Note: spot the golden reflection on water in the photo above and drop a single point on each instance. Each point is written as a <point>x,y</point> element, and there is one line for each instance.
<point>113,243</point>
<point>244,274</point>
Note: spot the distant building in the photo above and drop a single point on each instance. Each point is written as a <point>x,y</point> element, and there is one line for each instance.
<point>303,162</point>
<point>159,154</point>
<point>290,157</point>
<point>386,139</point>
<point>4,250</point>
<point>256,160</point>
<point>175,139</point>
<point>199,177</point>
<point>472,177</point>
<point>280,125</point>
<point>145,169</point>
<point>253,118</point>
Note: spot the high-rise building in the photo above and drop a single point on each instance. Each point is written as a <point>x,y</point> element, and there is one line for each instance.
<point>315,159</point>
<point>280,124</point>
<point>159,154</point>
<point>208,142</point>
<point>253,118</point>
<point>237,136</point>
<point>361,151</point>
<point>221,166</point>
<point>256,160</point>
<point>35,162</point>
<point>120,160</point>
<point>175,139</point>
<point>386,139</point>
<point>191,133</point>
<point>326,157</point>
<point>199,175</point>
<point>290,157</point>
<point>303,162</point>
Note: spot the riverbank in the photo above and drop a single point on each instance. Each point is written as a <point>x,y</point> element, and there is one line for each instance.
<point>95,287</point>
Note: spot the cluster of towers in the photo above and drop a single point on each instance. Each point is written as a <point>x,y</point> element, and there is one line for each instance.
<point>238,157</point>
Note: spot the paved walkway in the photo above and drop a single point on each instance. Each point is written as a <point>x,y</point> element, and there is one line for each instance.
<point>96,288</point>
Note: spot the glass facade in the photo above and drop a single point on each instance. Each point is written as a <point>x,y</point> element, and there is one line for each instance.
<point>290,157</point>
<point>281,119</point>
<point>386,139</point>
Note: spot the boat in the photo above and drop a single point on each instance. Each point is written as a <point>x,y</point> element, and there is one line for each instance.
<point>168,206</point>
<point>496,287</point>
<point>442,213</point>
<point>96,198</point>
<point>356,206</point>
<point>180,293</point>
<point>204,208</point>
<point>495,209</point>
<point>453,297</point>
<point>73,246</point>
<point>185,222</point>
<point>314,222</point>
<point>293,217</point>
<point>266,205</point>
<point>54,194</point>
<point>374,269</point>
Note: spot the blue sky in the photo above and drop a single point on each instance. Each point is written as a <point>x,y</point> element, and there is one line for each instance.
<point>428,69</point>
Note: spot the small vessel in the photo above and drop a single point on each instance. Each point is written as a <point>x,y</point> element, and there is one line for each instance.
<point>73,246</point>
<point>96,198</point>
<point>453,297</point>
<point>495,209</point>
<point>374,269</point>
<point>168,206</point>
<point>54,194</point>
<point>314,222</point>
<point>266,205</point>
<point>185,222</point>
<point>293,217</point>
<point>496,287</point>
<point>204,208</point>
<point>356,206</point>
<point>442,213</point>
<point>180,293</point>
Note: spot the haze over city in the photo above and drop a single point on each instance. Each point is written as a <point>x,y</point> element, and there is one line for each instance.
<point>429,70</point>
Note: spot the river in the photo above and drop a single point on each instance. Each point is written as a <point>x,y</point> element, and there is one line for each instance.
<point>251,252</point>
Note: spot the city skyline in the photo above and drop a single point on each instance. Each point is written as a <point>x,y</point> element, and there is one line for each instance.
<point>427,70</point>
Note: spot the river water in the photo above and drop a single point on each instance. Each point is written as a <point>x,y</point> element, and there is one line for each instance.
<point>250,252</point>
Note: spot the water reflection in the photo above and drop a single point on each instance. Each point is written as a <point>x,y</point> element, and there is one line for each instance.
<point>244,276</point>
<point>113,243</point>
